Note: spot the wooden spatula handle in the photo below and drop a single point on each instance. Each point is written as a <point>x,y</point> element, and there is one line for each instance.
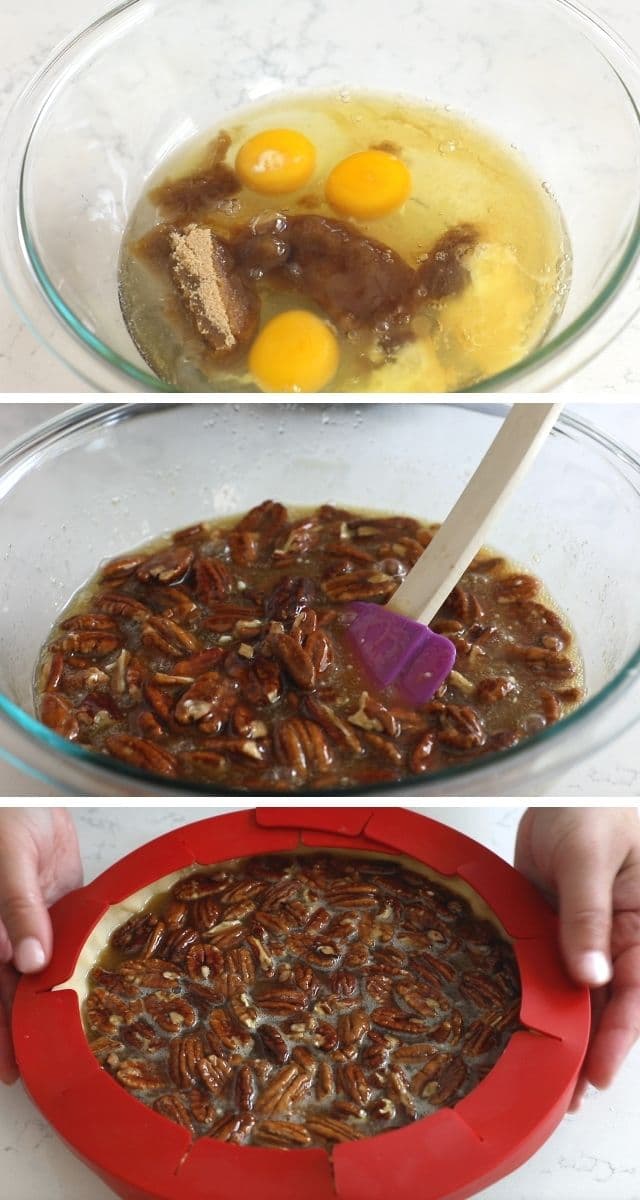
<point>458,540</point>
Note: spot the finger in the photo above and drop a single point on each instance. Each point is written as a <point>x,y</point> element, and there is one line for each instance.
<point>579,1094</point>
<point>8,984</point>
<point>585,887</point>
<point>6,950</point>
<point>619,1025</point>
<point>23,911</point>
<point>599,1000</point>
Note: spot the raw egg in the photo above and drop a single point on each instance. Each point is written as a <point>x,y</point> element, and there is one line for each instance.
<point>370,183</point>
<point>276,161</point>
<point>295,352</point>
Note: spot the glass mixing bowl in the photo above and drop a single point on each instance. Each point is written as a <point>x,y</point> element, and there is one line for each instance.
<point>543,75</point>
<point>101,480</point>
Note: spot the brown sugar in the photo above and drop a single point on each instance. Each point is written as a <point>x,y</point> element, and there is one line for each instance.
<point>224,310</point>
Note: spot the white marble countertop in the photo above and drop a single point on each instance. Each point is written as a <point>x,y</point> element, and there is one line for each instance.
<point>614,772</point>
<point>28,34</point>
<point>594,1155</point>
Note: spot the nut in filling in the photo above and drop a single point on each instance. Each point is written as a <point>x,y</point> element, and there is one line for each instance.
<point>295,1001</point>
<point>218,657</point>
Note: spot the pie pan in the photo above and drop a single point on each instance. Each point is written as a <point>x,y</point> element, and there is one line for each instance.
<point>449,1155</point>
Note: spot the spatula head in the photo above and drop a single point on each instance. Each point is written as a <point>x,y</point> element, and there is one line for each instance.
<point>395,650</point>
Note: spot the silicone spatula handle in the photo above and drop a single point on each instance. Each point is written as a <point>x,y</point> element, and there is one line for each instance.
<point>459,538</point>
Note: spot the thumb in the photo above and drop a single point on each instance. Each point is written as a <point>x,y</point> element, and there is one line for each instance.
<point>585,888</point>
<point>23,910</point>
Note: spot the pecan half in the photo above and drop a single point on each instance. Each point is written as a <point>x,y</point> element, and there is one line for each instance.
<point>140,753</point>
<point>166,567</point>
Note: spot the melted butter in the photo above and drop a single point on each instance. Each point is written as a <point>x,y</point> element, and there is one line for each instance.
<point>460,175</point>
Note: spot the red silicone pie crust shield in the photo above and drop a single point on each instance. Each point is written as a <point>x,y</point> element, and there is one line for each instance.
<point>448,1156</point>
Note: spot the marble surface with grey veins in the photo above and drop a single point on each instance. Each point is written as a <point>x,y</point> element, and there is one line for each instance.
<point>28,34</point>
<point>594,1155</point>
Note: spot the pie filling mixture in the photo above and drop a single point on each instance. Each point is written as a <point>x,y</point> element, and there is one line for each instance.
<point>302,1000</point>
<point>218,656</point>
<point>342,242</point>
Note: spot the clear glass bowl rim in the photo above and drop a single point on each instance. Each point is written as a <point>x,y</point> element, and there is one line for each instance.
<point>539,357</point>
<point>95,415</point>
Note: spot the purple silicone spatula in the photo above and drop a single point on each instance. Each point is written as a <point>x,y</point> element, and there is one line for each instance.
<point>393,641</point>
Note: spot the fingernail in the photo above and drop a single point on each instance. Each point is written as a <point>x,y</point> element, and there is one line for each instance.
<point>594,968</point>
<point>29,956</point>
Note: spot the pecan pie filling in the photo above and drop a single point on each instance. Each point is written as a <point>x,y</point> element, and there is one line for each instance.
<point>302,1000</point>
<point>219,656</point>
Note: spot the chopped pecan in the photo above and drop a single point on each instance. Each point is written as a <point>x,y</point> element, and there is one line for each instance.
<point>460,728</point>
<point>421,754</point>
<point>333,724</point>
<point>211,699</point>
<point>353,1082</point>
<point>298,664</point>
<point>51,672</point>
<point>464,606</point>
<point>58,713</point>
<point>161,701</point>
<point>205,765</point>
<point>175,602</point>
<point>168,566</point>
<point>268,518</point>
<point>547,663</point>
<point>119,568</point>
<point>493,688</point>
<point>361,584</point>
<point>516,587</point>
<point>551,707</point>
<point>165,635</point>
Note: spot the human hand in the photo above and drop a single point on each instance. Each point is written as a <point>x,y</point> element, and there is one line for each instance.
<point>39,863</point>
<point>587,862</point>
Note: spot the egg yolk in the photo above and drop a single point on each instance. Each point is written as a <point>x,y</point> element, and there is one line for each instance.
<point>276,161</point>
<point>295,352</point>
<point>371,183</point>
